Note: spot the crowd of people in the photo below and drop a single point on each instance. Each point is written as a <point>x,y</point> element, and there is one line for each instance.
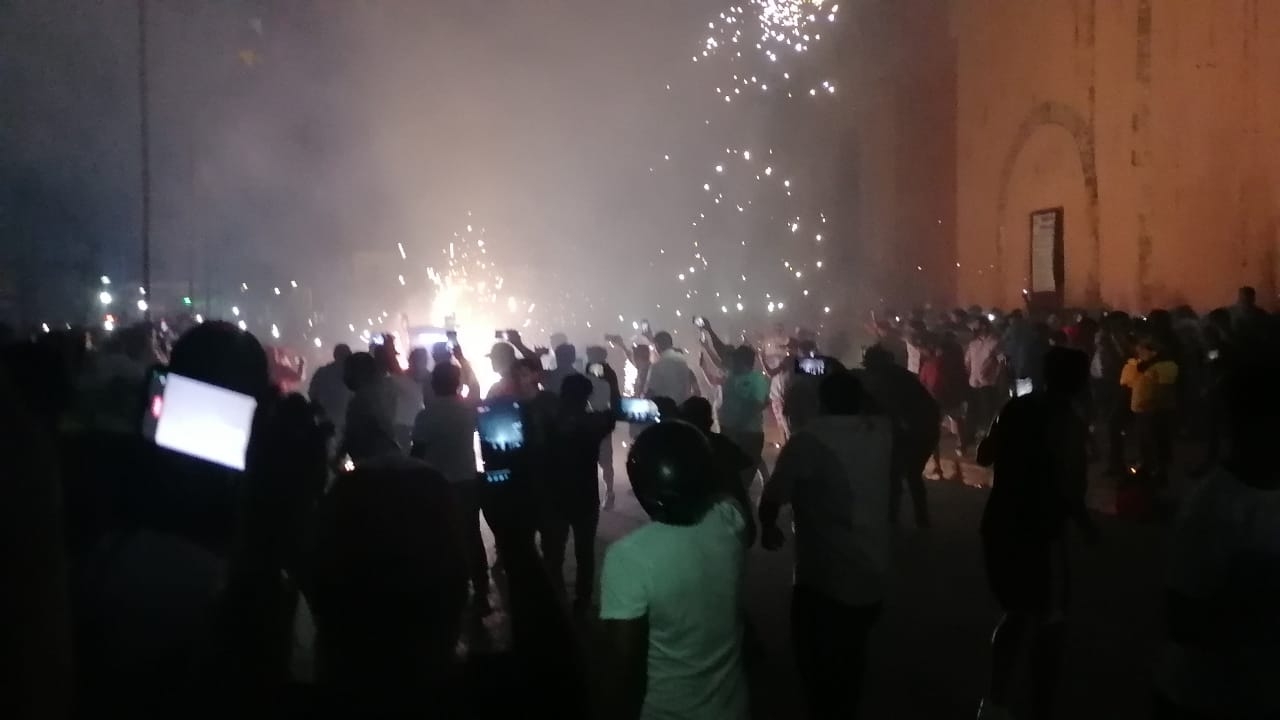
<point>145,582</point>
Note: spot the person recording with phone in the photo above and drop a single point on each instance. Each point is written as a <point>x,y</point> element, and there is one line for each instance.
<point>573,490</point>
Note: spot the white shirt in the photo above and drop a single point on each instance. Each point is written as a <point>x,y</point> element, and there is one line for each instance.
<point>835,475</point>
<point>688,581</point>
<point>408,394</point>
<point>444,430</point>
<point>1223,521</point>
<point>981,359</point>
<point>671,377</point>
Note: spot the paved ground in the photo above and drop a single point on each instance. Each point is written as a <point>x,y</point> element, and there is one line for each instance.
<point>929,651</point>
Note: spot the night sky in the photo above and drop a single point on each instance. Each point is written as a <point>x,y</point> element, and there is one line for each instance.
<point>308,141</point>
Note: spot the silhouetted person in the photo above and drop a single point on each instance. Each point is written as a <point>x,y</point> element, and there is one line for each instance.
<point>1223,652</point>
<point>328,390</point>
<point>442,438</point>
<point>835,475</point>
<point>1247,319</point>
<point>671,591</point>
<point>387,585</point>
<point>1038,449</point>
<point>985,368</point>
<point>566,357</point>
<point>573,490</point>
<point>916,426</point>
<point>732,463</point>
<point>369,430</point>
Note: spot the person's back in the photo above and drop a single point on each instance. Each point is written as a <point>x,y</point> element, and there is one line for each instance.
<point>670,376</point>
<point>386,585</point>
<point>443,437</point>
<point>327,388</point>
<point>1032,436</point>
<point>836,474</point>
<point>688,581</point>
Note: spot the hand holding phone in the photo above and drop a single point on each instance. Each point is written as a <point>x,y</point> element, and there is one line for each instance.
<point>815,366</point>
<point>699,322</point>
<point>639,411</point>
<point>500,429</point>
<point>596,369</point>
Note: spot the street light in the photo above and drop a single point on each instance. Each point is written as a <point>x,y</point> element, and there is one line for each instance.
<point>104,297</point>
<point>142,306</point>
<point>106,280</point>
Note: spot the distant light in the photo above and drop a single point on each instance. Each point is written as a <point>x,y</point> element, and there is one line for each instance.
<point>142,305</point>
<point>401,246</point>
<point>105,280</point>
<point>235,310</point>
<point>786,183</point>
<point>351,327</point>
<point>724,309</point>
<point>104,297</point>
<point>819,263</point>
<point>316,342</point>
<point>706,186</point>
<point>244,287</point>
<point>186,300</point>
<point>242,325</point>
<point>109,324</point>
<point>275,331</point>
<point>739,306</point>
<point>826,309</point>
<point>293,283</point>
<point>719,168</point>
<point>199,318</point>
<point>402,280</point>
<point>44,327</point>
<point>277,290</point>
<point>782,306</point>
<point>142,290</point>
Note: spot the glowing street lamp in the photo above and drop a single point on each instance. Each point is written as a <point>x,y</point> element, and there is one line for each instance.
<point>104,297</point>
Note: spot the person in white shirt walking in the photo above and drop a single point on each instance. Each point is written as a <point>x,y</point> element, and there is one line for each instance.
<point>670,376</point>
<point>983,361</point>
<point>835,474</point>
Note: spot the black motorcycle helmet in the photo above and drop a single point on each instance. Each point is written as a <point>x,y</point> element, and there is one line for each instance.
<point>672,473</point>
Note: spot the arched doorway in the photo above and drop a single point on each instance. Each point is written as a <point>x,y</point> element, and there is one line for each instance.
<point>1050,164</point>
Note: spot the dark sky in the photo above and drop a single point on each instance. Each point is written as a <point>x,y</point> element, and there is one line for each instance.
<point>303,139</point>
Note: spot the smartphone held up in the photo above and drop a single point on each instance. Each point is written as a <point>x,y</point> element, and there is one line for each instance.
<point>195,418</point>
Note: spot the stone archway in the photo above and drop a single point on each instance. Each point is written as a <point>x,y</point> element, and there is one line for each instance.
<point>1066,117</point>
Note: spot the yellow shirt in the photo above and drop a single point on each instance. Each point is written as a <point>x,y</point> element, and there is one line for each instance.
<point>1153,389</point>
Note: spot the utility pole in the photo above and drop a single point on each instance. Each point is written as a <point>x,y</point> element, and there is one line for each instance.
<point>145,147</point>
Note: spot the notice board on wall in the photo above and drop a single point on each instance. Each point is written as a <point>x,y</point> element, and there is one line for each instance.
<point>1046,257</point>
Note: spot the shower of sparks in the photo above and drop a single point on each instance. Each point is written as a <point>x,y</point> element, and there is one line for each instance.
<point>754,203</point>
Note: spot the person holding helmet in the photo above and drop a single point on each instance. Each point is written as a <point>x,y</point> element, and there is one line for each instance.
<point>671,590</point>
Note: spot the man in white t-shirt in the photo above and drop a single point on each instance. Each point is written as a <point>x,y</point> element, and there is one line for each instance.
<point>835,473</point>
<point>671,591</point>
<point>670,376</point>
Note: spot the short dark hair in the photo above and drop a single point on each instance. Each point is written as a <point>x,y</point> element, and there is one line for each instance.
<point>1066,371</point>
<point>575,388</point>
<point>697,412</point>
<point>840,394</point>
<point>341,351</point>
<point>446,378</point>
<point>663,341</point>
